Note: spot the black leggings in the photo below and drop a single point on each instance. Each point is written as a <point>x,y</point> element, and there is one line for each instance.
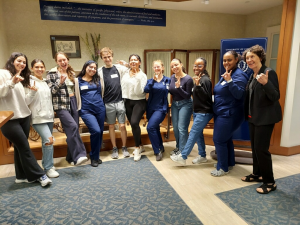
<point>134,112</point>
<point>26,166</point>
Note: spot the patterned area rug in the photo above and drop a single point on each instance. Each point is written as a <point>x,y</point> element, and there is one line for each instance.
<point>278,207</point>
<point>117,192</point>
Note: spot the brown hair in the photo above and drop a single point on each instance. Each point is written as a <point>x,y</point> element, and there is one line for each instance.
<point>70,70</point>
<point>106,49</point>
<point>183,69</point>
<point>257,50</point>
<point>161,63</point>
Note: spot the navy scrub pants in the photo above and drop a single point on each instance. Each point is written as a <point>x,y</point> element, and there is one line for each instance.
<point>224,127</point>
<point>95,124</point>
<point>153,129</point>
<point>70,124</point>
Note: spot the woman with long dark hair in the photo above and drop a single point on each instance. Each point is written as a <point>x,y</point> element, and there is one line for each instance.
<point>42,115</point>
<point>182,105</point>
<point>14,78</point>
<point>262,110</point>
<point>228,108</point>
<point>91,107</point>
<point>133,84</point>
<point>203,112</point>
<point>60,80</point>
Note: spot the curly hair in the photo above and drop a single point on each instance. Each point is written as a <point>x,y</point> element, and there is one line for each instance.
<point>257,50</point>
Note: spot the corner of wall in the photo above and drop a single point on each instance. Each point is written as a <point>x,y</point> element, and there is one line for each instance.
<point>3,39</point>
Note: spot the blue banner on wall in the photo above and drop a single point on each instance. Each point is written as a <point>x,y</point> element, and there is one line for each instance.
<point>94,13</point>
<point>240,45</point>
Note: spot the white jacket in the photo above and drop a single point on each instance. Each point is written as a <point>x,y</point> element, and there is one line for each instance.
<point>41,106</point>
<point>13,97</point>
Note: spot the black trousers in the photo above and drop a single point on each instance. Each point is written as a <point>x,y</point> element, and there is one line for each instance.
<point>260,142</point>
<point>26,166</point>
<point>134,112</point>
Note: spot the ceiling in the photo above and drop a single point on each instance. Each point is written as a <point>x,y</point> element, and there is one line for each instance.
<point>242,7</point>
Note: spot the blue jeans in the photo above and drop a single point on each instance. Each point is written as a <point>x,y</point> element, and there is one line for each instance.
<point>196,134</point>
<point>153,130</point>
<point>45,131</point>
<point>181,116</point>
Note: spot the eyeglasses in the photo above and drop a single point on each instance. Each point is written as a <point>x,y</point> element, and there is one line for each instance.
<point>199,66</point>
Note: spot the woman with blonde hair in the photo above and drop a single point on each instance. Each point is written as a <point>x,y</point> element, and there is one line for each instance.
<point>157,105</point>
<point>60,80</point>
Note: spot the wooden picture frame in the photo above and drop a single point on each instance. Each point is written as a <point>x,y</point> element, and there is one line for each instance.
<point>67,44</point>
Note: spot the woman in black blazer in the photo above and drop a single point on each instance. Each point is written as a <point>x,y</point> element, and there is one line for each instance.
<point>262,111</point>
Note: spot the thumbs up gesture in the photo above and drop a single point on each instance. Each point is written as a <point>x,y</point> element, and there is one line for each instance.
<point>263,78</point>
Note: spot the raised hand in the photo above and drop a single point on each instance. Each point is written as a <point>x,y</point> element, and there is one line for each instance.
<point>196,79</point>
<point>177,83</point>
<point>63,77</point>
<point>263,78</point>
<point>17,77</point>
<point>34,88</point>
<point>227,75</point>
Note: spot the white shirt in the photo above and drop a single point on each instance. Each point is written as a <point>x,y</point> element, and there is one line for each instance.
<point>13,97</point>
<point>133,87</point>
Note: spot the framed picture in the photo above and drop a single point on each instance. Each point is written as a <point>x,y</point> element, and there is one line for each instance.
<point>67,44</point>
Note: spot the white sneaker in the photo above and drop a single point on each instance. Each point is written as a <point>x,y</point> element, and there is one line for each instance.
<point>81,160</point>
<point>52,173</point>
<point>178,159</point>
<point>218,173</point>
<point>44,180</point>
<point>19,181</point>
<point>199,159</point>
<point>137,154</point>
<point>141,149</point>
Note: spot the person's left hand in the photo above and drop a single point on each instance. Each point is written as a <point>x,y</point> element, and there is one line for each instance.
<point>122,62</point>
<point>196,80</point>
<point>263,78</point>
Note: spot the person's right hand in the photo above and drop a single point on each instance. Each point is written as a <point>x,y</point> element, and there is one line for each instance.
<point>17,77</point>
<point>63,77</point>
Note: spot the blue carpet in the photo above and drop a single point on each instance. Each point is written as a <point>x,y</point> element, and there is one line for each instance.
<point>278,207</point>
<point>117,192</point>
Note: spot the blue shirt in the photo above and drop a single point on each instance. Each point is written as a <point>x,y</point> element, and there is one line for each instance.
<point>91,100</point>
<point>230,96</point>
<point>158,95</point>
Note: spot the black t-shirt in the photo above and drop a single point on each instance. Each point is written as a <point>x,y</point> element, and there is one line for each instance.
<point>112,84</point>
<point>202,96</point>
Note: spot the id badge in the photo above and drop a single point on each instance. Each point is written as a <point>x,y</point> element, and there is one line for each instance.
<point>223,83</point>
<point>84,87</point>
<point>114,76</point>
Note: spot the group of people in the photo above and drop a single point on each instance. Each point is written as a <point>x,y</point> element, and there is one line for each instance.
<point>117,91</point>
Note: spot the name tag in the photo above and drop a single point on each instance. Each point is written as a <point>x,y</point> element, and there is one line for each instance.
<point>84,87</point>
<point>224,82</point>
<point>114,76</point>
<point>192,89</point>
<point>167,86</point>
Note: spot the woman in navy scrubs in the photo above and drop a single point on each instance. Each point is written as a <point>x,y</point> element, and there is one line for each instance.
<point>228,111</point>
<point>157,106</point>
<point>91,107</point>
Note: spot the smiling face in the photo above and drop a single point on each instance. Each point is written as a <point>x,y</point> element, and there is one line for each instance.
<point>158,68</point>
<point>176,66</point>
<point>38,69</point>
<point>62,62</point>
<point>91,70</point>
<point>134,62</point>
<point>20,63</point>
<point>229,61</point>
<point>107,59</point>
<point>199,67</point>
<point>253,61</point>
